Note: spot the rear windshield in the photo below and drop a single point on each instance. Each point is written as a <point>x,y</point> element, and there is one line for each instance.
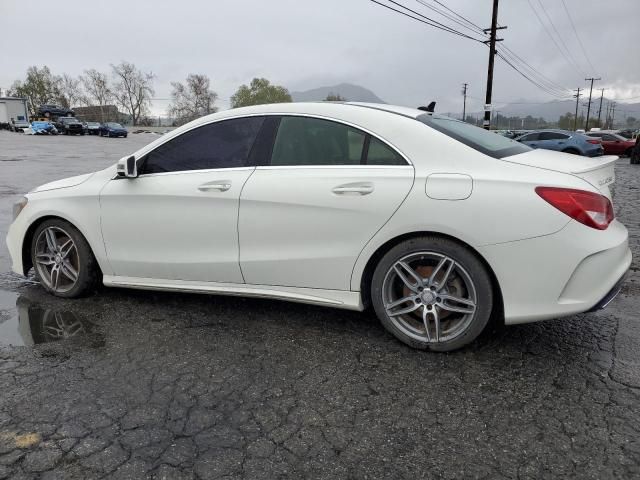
<point>479,139</point>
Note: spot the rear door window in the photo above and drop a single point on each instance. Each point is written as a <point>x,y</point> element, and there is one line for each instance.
<point>307,141</point>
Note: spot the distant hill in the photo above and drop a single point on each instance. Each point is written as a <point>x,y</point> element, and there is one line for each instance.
<point>551,111</point>
<point>353,93</point>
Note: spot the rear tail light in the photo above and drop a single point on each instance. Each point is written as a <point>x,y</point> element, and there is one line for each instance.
<point>595,142</point>
<point>591,209</point>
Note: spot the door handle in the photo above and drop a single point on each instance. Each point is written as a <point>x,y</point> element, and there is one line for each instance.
<point>358,188</point>
<point>220,186</point>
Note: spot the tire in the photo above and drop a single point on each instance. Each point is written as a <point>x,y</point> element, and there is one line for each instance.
<point>571,151</point>
<point>76,260</point>
<point>461,282</point>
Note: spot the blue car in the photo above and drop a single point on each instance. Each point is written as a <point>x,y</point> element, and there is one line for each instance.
<point>563,141</point>
<point>111,129</point>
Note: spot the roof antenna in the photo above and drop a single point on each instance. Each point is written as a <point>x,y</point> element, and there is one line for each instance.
<point>430,108</point>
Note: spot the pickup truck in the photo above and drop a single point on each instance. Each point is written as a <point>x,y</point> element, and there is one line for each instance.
<point>69,126</point>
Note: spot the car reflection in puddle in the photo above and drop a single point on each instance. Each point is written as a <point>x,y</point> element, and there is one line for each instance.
<point>31,323</point>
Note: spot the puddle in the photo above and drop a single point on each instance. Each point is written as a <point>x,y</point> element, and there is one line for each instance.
<point>25,323</point>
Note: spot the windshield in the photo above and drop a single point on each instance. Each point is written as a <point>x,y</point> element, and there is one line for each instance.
<point>479,139</point>
<point>114,125</point>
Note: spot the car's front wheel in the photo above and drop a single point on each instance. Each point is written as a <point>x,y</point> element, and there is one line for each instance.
<point>62,259</point>
<point>432,293</point>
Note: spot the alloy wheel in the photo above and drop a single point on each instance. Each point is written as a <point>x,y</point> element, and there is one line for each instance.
<point>429,296</point>
<point>57,260</point>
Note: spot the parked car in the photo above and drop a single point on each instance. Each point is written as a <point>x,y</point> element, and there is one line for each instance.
<point>434,222</point>
<point>111,129</point>
<point>628,133</point>
<point>17,124</point>
<point>55,111</point>
<point>613,143</point>
<point>69,126</point>
<point>93,128</point>
<point>563,141</point>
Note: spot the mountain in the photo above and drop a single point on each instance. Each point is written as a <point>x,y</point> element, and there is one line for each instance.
<point>353,93</point>
<point>551,111</point>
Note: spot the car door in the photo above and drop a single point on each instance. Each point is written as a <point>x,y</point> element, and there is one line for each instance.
<point>306,216</point>
<point>612,145</point>
<point>178,219</point>
<point>552,141</point>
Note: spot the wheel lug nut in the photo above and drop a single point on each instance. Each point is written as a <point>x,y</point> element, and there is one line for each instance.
<point>438,299</point>
<point>418,300</point>
<point>420,289</point>
<point>428,307</point>
<point>433,289</point>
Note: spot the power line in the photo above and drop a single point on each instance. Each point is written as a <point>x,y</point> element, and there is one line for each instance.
<point>426,20</point>
<point>545,89</point>
<point>516,59</point>
<point>559,36</point>
<point>449,17</point>
<point>552,37</point>
<point>584,51</point>
<point>459,16</point>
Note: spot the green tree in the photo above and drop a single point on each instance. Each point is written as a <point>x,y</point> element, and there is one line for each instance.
<point>39,87</point>
<point>259,92</point>
<point>335,97</point>
<point>565,121</point>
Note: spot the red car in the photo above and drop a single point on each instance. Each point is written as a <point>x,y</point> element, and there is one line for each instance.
<point>613,143</point>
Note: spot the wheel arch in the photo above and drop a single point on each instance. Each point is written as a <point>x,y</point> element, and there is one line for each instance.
<point>372,262</point>
<point>27,264</point>
<point>572,151</point>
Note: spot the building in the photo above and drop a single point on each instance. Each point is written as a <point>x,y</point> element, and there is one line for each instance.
<point>95,113</point>
<point>13,108</point>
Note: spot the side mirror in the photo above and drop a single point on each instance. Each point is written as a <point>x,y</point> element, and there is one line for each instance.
<point>127,167</point>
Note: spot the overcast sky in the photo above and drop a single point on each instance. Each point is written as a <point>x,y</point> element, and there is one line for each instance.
<point>304,44</point>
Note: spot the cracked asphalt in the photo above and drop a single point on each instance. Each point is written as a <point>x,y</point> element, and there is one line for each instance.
<point>130,384</point>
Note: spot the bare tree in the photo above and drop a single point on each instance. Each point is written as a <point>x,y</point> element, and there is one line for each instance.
<point>70,91</point>
<point>192,100</point>
<point>97,89</point>
<point>133,89</point>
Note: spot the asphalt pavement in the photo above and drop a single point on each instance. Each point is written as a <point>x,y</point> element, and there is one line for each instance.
<point>130,384</point>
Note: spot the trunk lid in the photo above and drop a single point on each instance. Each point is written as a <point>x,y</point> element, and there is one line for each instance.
<point>598,171</point>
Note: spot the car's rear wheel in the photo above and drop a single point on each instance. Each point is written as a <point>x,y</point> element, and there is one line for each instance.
<point>62,259</point>
<point>432,293</point>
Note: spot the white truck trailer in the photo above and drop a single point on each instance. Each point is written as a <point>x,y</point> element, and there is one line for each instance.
<point>13,112</point>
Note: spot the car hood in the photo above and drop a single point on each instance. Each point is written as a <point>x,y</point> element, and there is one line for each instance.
<point>598,171</point>
<point>64,183</point>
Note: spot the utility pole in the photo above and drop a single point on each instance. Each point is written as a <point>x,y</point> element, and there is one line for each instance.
<point>613,113</point>
<point>486,124</point>
<point>600,108</point>
<point>464,102</point>
<point>586,123</point>
<point>575,119</point>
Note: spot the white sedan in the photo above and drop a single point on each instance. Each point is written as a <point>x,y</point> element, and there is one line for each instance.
<point>435,223</point>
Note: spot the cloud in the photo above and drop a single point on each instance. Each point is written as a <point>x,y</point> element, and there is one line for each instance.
<point>305,44</point>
